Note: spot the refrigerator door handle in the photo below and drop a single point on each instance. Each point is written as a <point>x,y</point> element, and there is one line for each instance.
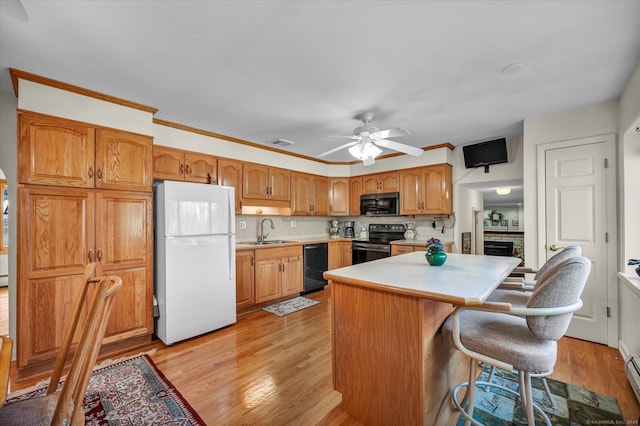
<point>232,209</point>
<point>232,257</point>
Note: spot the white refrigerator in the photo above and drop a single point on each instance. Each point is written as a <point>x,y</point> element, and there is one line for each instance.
<point>195,274</point>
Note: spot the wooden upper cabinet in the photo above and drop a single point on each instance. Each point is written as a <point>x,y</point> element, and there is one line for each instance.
<point>411,191</point>
<point>301,203</point>
<point>189,166</point>
<point>123,161</point>
<point>438,184</point>
<point>199,167</point>
<point>380,183</point>
<point>339,196</point>
<point>255,181</point>
<point>280,184</point>
<point>426,190</point>
<point>355,191</point>
<point>60,152</point>
<point>265,183</point>
<point>55,151</point>
<point>320,195</point>
<point>230,174</point>
<point>168,163</point>
<point>309,194</point>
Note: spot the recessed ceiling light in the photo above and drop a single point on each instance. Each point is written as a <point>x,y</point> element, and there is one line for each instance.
<point>512,68</point>
<point>503,190</point>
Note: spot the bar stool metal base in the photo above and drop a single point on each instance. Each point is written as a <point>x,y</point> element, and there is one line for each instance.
<point>487,385</point>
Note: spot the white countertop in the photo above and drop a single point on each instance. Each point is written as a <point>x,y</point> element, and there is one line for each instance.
<point>464,279</point>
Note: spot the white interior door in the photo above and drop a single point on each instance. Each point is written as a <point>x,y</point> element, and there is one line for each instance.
<point>576,213</point>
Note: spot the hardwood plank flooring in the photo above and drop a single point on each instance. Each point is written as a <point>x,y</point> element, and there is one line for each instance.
<point>277,370</point>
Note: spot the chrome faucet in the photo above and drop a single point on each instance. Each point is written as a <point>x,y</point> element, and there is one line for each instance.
<point>261,234</point>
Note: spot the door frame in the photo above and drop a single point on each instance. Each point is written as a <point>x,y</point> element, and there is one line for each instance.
<point>612,218</point>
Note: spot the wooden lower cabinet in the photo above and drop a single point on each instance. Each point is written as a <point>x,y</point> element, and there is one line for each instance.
<point>278,272</point>
<point>339,254</point>
<point>397,249</point>
<point>63,229</point>
<point>245,278</point>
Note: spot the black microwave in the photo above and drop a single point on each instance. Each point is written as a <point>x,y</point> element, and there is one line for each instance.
<point>386,204</point>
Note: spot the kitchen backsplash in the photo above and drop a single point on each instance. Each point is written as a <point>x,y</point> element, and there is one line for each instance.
<point>312,227</point>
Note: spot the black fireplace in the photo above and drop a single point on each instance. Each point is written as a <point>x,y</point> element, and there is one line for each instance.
<point>498,248</point>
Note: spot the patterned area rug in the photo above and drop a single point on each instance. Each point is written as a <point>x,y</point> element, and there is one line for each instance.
<point>289,306</point>
<point>574,405</point>
<point>131,392</point>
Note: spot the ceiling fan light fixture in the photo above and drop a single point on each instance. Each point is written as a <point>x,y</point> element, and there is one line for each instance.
<point>365,151</point>
<point>503,190</point>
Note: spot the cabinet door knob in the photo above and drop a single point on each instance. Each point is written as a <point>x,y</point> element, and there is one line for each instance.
<point>90,255</point>
<point>90,172</point>
<point>99,174</point>
<point>187,170</point>
<point>181,169</point>
<point>99,255</point>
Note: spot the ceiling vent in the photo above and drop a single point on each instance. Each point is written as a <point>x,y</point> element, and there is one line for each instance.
<point>281,142</point>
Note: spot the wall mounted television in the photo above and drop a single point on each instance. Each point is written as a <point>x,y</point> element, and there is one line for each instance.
<point>484,154</point>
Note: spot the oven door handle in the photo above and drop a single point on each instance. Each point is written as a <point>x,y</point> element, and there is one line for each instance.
<point>372,249</point>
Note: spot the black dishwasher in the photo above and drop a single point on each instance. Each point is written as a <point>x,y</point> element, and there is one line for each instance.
<point>316,262</point>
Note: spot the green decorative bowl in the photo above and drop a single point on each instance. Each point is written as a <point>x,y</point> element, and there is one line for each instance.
<point>437,258</point>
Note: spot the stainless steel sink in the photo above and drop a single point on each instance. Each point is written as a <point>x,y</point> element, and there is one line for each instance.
<point>260,243</point>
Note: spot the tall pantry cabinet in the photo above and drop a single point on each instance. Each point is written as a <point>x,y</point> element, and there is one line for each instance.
<point>85,195</point>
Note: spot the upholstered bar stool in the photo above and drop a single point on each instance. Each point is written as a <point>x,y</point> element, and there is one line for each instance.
<point>522,340</point>
<point>516,283</point>
<point>518,293</point>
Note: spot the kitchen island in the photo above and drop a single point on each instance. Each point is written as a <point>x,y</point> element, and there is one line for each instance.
<point>389,361</point>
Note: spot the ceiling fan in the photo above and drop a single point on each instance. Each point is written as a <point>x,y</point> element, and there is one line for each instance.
<point>366,140</point>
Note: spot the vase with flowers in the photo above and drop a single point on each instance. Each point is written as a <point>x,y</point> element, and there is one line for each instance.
<point>435,252</point>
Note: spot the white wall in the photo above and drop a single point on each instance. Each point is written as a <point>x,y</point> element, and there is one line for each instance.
<point>598,119</point>
<point>468,200</point>
<point>4,258</point>
<point>510,213</point>
<point>60,103</point>
<point>464,199</point>
<point>8,164</point>
<point>629,161</point>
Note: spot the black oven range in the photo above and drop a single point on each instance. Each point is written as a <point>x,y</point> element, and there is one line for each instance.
<point>378,245</point>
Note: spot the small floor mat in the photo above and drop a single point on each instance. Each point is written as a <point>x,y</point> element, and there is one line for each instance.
<point>289,306</point>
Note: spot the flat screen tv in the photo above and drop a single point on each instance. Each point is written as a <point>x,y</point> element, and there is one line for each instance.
<point>484,154</point>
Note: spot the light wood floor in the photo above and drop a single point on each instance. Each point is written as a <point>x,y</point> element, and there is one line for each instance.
<point>277,370</point>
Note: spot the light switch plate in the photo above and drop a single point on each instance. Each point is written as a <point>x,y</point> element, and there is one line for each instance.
<point>242,224</point>
<point>293,223</point>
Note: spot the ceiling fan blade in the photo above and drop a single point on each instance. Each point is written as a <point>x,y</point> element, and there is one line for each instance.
<point>390,133</point>
<point>331,151</point>
<point>341,136</point>
<point>397,146</point>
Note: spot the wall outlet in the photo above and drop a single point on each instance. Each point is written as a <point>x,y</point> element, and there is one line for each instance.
<point>242,224</point>
<point>293,223</point>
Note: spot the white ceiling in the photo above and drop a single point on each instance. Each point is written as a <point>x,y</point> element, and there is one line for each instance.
<point>492,198</point>
<point>296,70</point>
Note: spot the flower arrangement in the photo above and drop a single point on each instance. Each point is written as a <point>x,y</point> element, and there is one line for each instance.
<point>434,245</point>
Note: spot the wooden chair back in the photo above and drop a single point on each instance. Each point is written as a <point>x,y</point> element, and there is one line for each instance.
<point>69,405</point>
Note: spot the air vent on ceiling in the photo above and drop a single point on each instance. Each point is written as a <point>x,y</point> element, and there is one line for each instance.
<point>281,142</point>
